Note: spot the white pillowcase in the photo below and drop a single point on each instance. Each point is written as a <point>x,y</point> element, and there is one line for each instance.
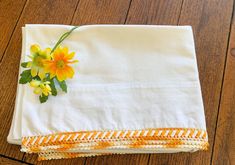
<point>129,77</point>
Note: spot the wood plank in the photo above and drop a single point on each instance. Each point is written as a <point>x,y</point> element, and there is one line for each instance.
<point>6,161</point>
<point>210,41</point>
<point>143,12</point>
<point>36,11</point>
<point>101,12</point>
<point>210,21</point>
<point>9,14</point>
<point>224,148</point>
<point>161,12</point>
<point>29,158</point>
<point>126,159</point>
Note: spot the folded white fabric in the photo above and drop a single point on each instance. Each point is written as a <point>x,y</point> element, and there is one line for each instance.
<point>136,90</point>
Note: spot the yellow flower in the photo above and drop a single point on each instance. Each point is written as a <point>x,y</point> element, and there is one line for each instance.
<point>38,56</point>
<point>58,66</point>
<point>41,87</point>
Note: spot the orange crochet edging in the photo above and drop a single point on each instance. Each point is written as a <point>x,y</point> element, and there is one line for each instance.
<point>63,145</point>
<point>66,155</point>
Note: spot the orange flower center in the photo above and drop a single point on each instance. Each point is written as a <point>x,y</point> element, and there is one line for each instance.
<point>60,64</point>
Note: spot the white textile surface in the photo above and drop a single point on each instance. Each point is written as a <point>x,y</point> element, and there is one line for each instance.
<point>129,77</point>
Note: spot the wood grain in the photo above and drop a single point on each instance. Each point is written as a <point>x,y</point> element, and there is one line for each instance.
<point>211,24</point>
<point>6,161</point>
<point>58,11</point>
<point>126,159</point>
<point>161,12</point>
<point>9,14</point>
<point>101,12</point>
<point>224,148</point>
<point>29,158</point>
<point>210,21</point>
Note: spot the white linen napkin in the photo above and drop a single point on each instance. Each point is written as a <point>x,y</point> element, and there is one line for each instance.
<point>136,90</point>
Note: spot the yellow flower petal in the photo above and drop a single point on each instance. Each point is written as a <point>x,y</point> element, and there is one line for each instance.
<point>56,55</point>
<point>45,53</point>
<point>29,64</point>
<point>34,71</point>
<point>42,53</point>
<point>52,75</point>
<point>48,51</point>
<point>70,56</point>
<point>35,83</point>
<point>45,92</point>
<point>41,73</point>
<point>42,85</point>
<point>37,90</point>
<point>69,72</point>
<point>74,61</point>
<point>48,87</point>
<point>58,50</point>
<point>34,48</point>
<point>60,75</point>
<point>65,50</point>
<point>47,82</point>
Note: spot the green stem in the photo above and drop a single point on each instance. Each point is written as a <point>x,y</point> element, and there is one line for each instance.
<point>63,37</point>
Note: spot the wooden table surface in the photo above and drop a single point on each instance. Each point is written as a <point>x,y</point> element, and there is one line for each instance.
<point>213,22</point>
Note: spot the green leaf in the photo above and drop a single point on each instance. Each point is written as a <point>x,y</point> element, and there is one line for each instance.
<point>53,88</point>
<point>37,78</point>
<point>24,64</point>
<point>25,77</point>
<point>62,85</point>
<point>43,98</point>
<point>47,78</point>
